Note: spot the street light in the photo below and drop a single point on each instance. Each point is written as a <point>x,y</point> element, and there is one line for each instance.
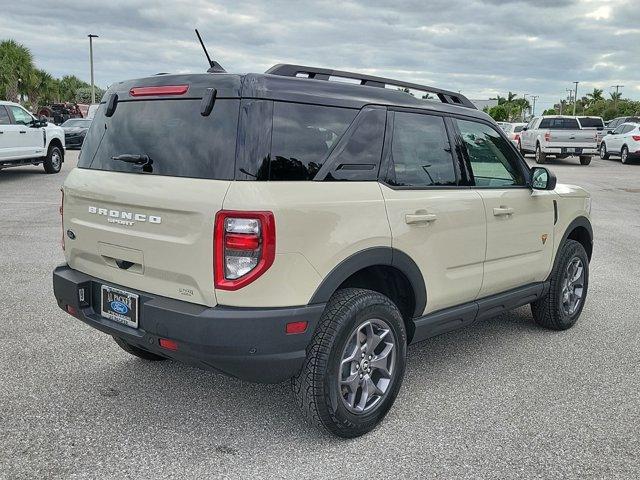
<point>93,86</point>
<point>575,99</point>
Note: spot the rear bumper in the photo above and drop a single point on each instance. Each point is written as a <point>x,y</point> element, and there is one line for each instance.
<point>247,343</point>
<point>570,150</point>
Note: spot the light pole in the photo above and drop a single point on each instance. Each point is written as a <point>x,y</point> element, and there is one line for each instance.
<point>575,98</point>
<point>524,96</point>
<point>533,109</point>
<point>93,86</point>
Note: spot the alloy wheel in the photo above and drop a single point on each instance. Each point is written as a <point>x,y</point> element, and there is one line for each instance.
<point>367,366</point>
<point>573,286</point>
<point>55,159</point>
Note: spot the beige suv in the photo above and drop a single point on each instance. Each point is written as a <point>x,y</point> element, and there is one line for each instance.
<point>309,224</point>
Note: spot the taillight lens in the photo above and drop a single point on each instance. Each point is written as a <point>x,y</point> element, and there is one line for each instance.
<point>636,137</point>
<point>244,247</point>
<point>516,137</point>
<point>547,137</point>
<point>62,218</point>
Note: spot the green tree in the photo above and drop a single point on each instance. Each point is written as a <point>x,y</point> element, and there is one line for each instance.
<point>595,96</point>
<point>16,65</point>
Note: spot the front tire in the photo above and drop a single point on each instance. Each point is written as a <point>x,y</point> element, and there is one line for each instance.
<point>585,159</point>
<point>355,363</point>
<point>561,307</point>
<point>624,155</point>
<point>604,155</point>
<point>541,157</point>
<point>53,161</point>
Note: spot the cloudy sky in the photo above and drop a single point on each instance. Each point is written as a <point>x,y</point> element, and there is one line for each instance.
<point>480,47</point>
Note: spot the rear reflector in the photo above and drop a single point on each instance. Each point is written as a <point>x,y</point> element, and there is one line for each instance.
<point>168,344</point>
<point>160,90</point>
<point>296,327</point>
<point>72,310</point>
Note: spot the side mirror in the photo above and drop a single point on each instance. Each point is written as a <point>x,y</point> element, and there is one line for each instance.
<point>524,129</point>
<point>609,132</point>
<point>542,179</point>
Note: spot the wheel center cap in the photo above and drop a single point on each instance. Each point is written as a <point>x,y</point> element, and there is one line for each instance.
<point>364,365</point>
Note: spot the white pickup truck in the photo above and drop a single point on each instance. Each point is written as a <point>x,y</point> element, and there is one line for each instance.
<point>561,136</point>
<point>25,140</point>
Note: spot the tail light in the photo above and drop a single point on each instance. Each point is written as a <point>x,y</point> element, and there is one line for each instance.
<point>159,90</point>
<point>636,137</point>
<point>516,137</point>
<point>547,137</point>
<point>244,247</point>
<point>62,218</point>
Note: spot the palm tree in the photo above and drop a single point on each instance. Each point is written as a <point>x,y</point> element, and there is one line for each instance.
<point>16,65</point>
<point>615,95</point>
<point>41,88</point>
<point>511,97</point>
<point>595,95</point>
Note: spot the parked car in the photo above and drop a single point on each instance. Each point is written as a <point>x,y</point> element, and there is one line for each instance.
<point>26,140</point>
<point>624,142</point>
<point>561,136</point>
<point>290,226</point>
<point>513,131</point>
<point>616,122</point>
<point>75,130</point>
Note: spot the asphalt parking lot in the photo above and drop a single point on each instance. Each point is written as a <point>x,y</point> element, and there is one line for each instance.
<point>501,399</point>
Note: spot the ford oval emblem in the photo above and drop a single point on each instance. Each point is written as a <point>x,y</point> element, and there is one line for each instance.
<point>119,307</point>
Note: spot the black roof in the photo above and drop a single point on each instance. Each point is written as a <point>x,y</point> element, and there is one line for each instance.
<point>284,84</point>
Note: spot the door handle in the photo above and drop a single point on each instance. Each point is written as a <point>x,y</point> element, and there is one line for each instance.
<point>23,131</point>
<point>502,211</point>
<point>413,218</point>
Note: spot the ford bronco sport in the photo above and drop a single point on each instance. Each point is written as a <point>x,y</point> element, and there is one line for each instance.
<point>309,224</point>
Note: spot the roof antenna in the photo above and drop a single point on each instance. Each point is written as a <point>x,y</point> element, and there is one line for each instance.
<point>214,67</point>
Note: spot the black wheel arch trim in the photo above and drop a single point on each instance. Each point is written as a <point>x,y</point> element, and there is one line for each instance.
<point>576,222</point>
<point>371,257</point>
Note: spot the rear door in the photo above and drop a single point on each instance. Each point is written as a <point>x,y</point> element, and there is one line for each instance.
<point>141,205</point>
<point>435,219</point>
<point>519,220</point>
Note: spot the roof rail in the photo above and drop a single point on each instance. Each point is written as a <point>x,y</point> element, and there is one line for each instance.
<point>289,70</point>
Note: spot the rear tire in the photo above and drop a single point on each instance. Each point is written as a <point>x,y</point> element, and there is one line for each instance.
<point>53,161</point>
<point>137,352</point>
<point>624,154</point>
<point>604,155</point>
<point>561,307</point>
<point>342,386</point>
<point>585,159</point>
<point>541,157</point>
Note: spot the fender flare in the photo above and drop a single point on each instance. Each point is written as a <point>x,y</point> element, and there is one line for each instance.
<point>371,257</point>
<point>580,221</point>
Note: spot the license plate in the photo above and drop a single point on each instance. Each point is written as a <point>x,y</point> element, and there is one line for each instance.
<point>572,150</point>
<point>119,306</point>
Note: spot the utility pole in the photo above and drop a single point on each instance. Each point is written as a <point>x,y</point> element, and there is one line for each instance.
<point>570,92</point>
<point>524,96</point>
<point>575,98</point>
<point>93,86</point>
<point>615,100</point>
<point>533,109</point>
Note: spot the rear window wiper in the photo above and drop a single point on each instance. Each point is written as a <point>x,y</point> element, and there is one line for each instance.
<point>143,160</point>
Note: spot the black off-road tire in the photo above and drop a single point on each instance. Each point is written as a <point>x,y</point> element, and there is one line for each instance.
<point>585,159</point>
<point>138,352</point>
<point>541,157</point>
<point>604,155</point>
<point>548,312</point>
<point>315,387</point>
<point>53,161</point>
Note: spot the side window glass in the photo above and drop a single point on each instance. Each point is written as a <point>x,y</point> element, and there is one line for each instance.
<point>20,116</point>
<point>4,116</point>
<point>421,153</point>
<point>357,158</point>
<point>303,136</point>
<point>545,123</point>
<point>627,128</point>
<point>493,163</point>
<point>618,130</point>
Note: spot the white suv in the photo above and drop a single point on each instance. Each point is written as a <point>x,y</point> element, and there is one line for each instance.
<point>284,225</point>
<point>25,140</point>
<point>623,142</point>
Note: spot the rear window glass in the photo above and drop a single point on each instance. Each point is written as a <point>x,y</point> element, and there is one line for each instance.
<point>560,123</point>
<point>303,136</point>
<point>518,128</point>
<point>179,141</point>
<point>591,122</point>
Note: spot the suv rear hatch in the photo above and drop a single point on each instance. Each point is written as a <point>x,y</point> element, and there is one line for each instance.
<point>152,175</point>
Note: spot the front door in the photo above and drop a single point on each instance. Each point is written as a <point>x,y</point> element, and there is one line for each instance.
<point>438,223</point>
<point>30,142</point>
<point>5,133</point>
<point>519,220</point>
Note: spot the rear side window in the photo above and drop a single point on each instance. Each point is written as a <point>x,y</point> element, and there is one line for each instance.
<point>591,122</point>
<point>302,138</point>
<point>420,151</point>
<point>178,140</point>
<point>4,116</point>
